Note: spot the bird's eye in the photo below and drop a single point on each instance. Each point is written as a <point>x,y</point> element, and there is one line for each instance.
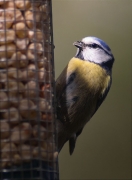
<point>93,45</point>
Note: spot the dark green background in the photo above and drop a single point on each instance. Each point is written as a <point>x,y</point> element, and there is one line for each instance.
<point>103,151</point>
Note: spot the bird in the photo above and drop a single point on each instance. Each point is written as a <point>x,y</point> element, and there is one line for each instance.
<point>81,88</point>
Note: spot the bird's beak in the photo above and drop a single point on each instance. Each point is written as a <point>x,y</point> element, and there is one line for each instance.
<point>78,44</point>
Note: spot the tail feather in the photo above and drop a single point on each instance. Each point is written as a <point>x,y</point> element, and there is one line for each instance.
<point>72,143</point>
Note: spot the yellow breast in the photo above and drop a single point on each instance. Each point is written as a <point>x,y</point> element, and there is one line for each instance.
<point>90,74</point>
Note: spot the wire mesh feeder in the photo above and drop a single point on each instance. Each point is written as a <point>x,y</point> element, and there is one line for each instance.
<point>27,126</point>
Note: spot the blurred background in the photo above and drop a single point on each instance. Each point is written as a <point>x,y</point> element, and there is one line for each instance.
<point>103,151</point>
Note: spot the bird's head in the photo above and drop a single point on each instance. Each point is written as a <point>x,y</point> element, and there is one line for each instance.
<point>94,50</point>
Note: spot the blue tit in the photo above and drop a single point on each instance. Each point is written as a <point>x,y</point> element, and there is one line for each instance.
<point>82,87</point>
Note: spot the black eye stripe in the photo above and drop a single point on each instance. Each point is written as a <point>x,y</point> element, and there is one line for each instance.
<point>93,45</point>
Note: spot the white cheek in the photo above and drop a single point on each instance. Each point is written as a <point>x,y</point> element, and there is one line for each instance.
<point>95,55</point>
<point>88,54</point>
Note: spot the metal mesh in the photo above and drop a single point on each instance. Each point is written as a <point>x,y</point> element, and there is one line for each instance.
<point>27,126</point>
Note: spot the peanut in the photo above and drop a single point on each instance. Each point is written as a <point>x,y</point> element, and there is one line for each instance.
<point>29,73</point>
<point>40,131</point>
<point>31,16</point>
<point>31,89</point>
<point>22,43</point>
<point>44,105</point>
<point>22,4</point>
<point>21,133</point>
<point>7,155</point>
<point>27,109</point>
<point>18,60</point>
<point>20,29</point>
<point>4,130</point>
<point>12,115</point>
<point>7,36</point>
<point>3,100</point>
<point>7,50</point>
<point>25,151</point>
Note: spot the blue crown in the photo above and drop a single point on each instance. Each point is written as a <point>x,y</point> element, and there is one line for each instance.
<point>101,42</point>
